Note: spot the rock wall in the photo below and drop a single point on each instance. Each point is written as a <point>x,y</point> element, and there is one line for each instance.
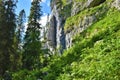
<point>116,4</point>
<point>83,24</point>
<point>58,37</point>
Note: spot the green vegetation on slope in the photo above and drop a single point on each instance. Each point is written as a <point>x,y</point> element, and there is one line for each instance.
<point>65,1</point>
<point>96,54</point>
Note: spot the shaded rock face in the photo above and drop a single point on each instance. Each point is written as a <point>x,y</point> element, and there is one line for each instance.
<point>56,36</point>
<point>93,3</point>
<point>51,34</point>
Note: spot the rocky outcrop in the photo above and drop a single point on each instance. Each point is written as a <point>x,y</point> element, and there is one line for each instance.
<point>83,24</point>
<point>61,37</point>
<point>116,4</point>
<point>77,7</point>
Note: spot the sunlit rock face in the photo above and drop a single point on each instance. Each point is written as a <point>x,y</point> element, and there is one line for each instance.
<point>57,36</point>
<point>116,4</point>
<point>83,24</point>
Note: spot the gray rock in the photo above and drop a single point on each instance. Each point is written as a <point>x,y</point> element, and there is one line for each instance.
<point>84,24</point>
<point>76,8</point>
<point>116,4</point>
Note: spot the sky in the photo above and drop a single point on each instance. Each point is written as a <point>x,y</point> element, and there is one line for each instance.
<point>26,4</point>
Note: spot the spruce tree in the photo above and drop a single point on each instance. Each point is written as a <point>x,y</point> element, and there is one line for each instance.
<point>7,32</point>
<point>21,28</point>
<point>32,45</point>
<point>18,40</point>
<point>3,41</point>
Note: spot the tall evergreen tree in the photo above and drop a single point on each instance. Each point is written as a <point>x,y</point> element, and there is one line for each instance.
<point>3,41</point>
<point>21,28</point>
<point>32,46</point>
<point>7,32</point>
<point>18,40</point>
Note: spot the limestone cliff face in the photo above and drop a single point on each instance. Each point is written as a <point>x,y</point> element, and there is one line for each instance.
<point>55,33</point>
<point>62,25</point>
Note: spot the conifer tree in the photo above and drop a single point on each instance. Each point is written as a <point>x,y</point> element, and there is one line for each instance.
<point>32,46</point>
<point>21,28</point>
<point>18,40</point>
<point>7,32</point>
<point>2,38</point>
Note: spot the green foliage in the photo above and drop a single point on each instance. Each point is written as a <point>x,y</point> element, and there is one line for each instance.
<point>65,1</point>
<point>27,75</point>
<point>66,11</point>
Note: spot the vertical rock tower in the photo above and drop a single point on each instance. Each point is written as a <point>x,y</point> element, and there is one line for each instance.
<point>55,34</point>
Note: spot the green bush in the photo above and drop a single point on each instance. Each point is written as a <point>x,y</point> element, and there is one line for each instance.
<point>27,75</point>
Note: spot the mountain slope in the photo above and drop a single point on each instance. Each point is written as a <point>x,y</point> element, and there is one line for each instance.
<point>95,54</point>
